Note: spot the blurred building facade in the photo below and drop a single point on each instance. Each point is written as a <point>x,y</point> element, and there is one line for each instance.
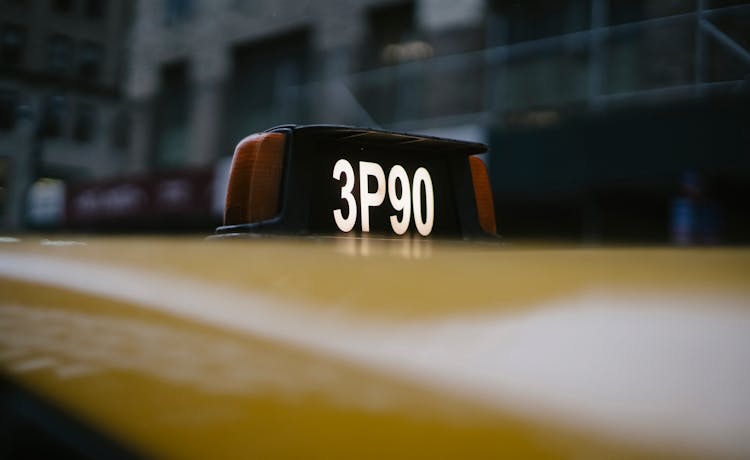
<point>593,109</point>
<point>557,88</point>
<point>62,68</point>
<point>207,73</point>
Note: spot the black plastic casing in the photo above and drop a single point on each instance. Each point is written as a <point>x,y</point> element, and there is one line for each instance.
<point>302,159</point>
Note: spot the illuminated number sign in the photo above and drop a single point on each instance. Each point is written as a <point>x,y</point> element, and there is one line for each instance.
<point>399,192</point>
<point>329,180</point>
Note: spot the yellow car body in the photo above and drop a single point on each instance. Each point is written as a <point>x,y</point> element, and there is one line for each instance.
<point>366,348</point>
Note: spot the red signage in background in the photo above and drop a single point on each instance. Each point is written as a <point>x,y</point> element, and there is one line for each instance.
<point>165,199</point>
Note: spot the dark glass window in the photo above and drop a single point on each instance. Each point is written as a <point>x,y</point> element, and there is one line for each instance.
<point>62,6</point>
<point>265,78</point>
<point>628,11</point>
<point>177,10</point>
<point>393,40</point>
<point>89,60</point>
<point>723,3</point>
<point>120,130</point>
<point>83,128</point>
<point>4,179</point>
<point>12,44</point>
<point>389,25</point>
<point>59,54</point>
<point>622,11</point>
<point>173,114</point>
<point>9,102</point>
<point>96,9</point>
<point>535,19</point>
<point>53,115</point>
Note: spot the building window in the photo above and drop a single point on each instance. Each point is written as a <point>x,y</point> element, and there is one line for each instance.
<point>9,102</point>
<point>12,44</point>
<point>390,27</point>
<point>536,19</point>
<point>62,6</point>
<point>177,10</point>
<point>393,41</point>
<point>95,9</point>
<point>639,10</point>
<point>89,60</point>
<point>172,117</point>
<point>266,78</point>
<point>53,116</point>
<point>120,130</point>
<point>59,54</point>
<point>83,128</point>
<point>4,179</point>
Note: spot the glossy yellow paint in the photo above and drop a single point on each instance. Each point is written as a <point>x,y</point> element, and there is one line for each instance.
<point>173,387</point>
<point>416,278</point>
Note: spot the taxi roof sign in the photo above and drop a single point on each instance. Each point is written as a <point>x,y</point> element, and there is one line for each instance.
<point>339,180</point>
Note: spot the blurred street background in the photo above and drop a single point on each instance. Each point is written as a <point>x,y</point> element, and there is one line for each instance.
<point>608,121</point>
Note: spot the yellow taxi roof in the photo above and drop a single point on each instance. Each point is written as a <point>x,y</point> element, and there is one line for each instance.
<point>343,347</point>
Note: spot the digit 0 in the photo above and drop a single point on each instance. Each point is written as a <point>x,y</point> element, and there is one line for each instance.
<point>424,225</point>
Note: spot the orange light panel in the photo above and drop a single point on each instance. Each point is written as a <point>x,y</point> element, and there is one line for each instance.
<point>255,179</point>
<point>483,195</point>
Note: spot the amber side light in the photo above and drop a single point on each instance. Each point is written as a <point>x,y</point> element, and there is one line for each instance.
<point>255,179</point>
<point>483,195</point>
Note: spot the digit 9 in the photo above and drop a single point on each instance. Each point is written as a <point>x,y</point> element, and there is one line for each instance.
<point>400,202</point>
